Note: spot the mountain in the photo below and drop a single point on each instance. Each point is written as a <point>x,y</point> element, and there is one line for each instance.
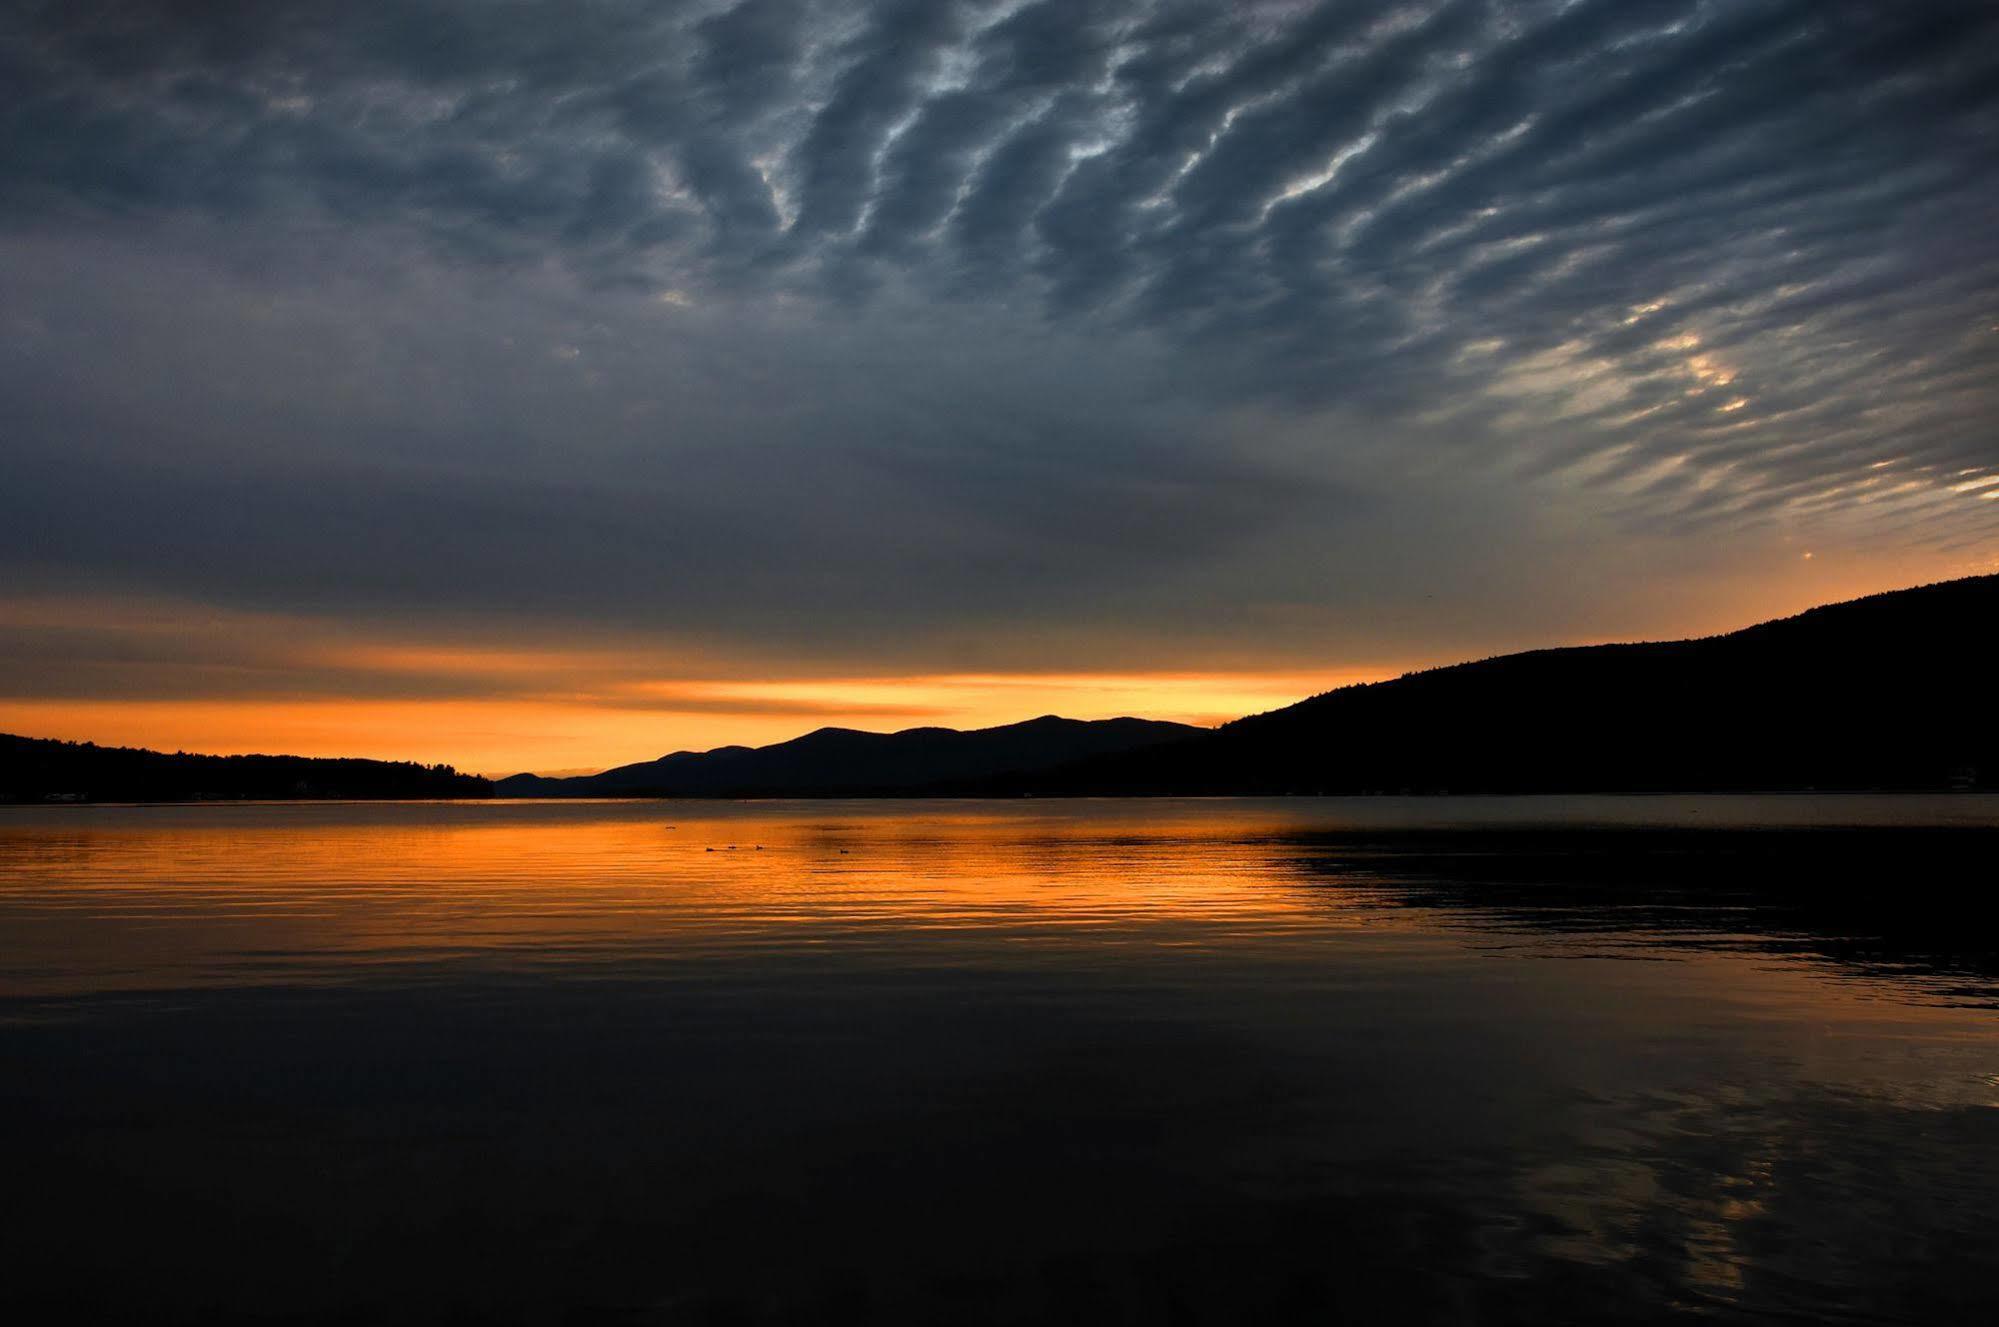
<point>34,769</point>
<point>1895,691</point>
<point>845,762</point>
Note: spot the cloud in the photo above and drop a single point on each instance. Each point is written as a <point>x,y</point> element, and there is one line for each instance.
<point>833,326</point>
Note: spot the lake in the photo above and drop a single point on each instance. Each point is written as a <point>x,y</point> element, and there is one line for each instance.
<point>1475,1060</point>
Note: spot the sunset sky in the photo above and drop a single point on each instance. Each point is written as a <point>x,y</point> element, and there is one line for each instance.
<point>548,384</point>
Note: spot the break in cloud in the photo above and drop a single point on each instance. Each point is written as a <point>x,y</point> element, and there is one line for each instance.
<point>999,335</point>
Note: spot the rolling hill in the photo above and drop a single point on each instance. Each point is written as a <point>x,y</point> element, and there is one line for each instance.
<point>1894,691</point>
<point>845,762</point>
<point>36,769</point>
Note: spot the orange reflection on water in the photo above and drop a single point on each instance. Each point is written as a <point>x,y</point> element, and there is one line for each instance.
<point>1357,994</point>
<point>136,898</point>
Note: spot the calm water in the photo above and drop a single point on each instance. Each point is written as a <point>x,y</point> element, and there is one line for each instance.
<point>1476,1061</point>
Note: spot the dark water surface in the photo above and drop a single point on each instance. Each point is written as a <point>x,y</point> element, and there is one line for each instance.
<point>1446,1060</point>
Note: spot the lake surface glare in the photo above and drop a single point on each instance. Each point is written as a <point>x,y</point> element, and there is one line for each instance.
<point>1471,1060</point>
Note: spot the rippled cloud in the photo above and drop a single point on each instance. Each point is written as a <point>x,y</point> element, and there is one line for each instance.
<point>839,325</point>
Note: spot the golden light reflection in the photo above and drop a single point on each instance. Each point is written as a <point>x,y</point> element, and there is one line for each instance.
<point>166,897</point>
<point>221,895</point>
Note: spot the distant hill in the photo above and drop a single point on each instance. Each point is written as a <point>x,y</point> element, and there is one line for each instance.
<point>847,763</point>
<point>1895,691</point>
<point>34,769</point>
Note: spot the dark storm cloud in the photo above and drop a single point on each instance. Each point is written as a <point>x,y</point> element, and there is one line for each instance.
<point>1696,261</point>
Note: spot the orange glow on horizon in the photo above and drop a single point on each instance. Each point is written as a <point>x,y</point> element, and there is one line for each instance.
<point>644,720</point>
<point>174,675</point>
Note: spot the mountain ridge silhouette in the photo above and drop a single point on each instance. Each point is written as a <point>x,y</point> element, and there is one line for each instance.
<point>1890,691</point>
<point>1887,691</point>
<point>835,761</point>
<point>47,769</point>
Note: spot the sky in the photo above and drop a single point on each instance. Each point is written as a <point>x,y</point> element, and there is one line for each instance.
<point>547,384</point>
